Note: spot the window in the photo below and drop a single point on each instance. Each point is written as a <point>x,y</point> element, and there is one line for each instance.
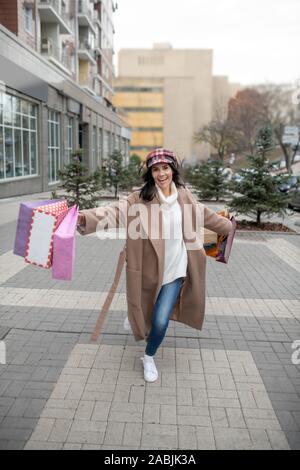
<point>80,136</point>
<point>18,137</point>
<point>116,143</point>
<point>151,60</point>
<point>143,110</point>
<point>94,147</point>
<point>53,145</point>
<point>69,147</point>
<point>28,20</point>
<point>146,129</point>
<point>100,148</point>
<point>138,89</point>
<point>106,144</point>
<point>140,147</point>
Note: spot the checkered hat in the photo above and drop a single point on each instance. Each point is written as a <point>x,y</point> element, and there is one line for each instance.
<point>161,155</point>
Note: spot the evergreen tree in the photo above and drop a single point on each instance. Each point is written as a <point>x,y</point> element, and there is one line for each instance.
<point>258,192</point>
<point>114,171</point>
<point>209,180</point>
<point>81,188</point>
<point>132,173</point>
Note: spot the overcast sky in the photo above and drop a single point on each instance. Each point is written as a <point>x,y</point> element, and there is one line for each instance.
<point>254,41</point>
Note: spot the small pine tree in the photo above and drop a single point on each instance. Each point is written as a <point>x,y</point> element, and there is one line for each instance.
<point>82,189</point>
<point>132,176</point>
<point>209,180</point>
<point>113,171</point>
<point>258,192</point>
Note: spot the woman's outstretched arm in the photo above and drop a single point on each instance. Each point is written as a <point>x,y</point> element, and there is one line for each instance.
<point>212,221</point>
<point>111,216</point>
<point>216,223</point>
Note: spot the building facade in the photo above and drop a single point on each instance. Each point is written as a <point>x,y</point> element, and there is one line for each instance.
<point>165,95</point>
<point>56,77</point>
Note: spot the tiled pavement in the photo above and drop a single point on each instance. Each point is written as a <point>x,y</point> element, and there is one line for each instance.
<point>230,386</point>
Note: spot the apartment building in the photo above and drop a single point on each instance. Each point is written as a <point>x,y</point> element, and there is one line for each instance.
<point>165,95</point>
<point>56,73</point>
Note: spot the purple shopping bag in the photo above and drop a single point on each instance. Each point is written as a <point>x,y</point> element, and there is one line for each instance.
<point>64,246</point>
<point>24,222</point>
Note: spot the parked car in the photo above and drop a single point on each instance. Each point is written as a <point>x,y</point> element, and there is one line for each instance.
<point>295,199</point>
<point>238,177</point>
<point>227,173</point>
<point>289,182</point>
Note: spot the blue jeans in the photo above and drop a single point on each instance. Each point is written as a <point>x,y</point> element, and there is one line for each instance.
<point>161,314</point>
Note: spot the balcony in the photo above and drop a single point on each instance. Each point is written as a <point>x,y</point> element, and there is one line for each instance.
<point>54,54</point>
<point>97,17</point>
<point>85,15</point>
<point>97,85</point>
<point>51,12</point>
<point>88,85</point>
<point>85,51</point>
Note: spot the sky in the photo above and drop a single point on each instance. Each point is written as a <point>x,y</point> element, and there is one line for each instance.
<point>254,41</point>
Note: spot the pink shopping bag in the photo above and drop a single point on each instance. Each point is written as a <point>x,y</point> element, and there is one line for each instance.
<point>24,224</point>
<point>45,220</point>
<point>225,245</point>
<point>64,246</point>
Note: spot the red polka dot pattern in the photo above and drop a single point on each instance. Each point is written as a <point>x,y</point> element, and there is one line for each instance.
<point>57,211</point>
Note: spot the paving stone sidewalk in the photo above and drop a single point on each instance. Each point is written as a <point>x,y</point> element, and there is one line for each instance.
<point>232,385</point>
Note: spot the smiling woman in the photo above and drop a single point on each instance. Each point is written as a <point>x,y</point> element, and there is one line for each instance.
<point>162,175</point>
<point>161,170</point>
<point>165,262</point>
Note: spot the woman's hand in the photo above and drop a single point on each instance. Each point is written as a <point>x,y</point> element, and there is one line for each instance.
<point>81,219</point>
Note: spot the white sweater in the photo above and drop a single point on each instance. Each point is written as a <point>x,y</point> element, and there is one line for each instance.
<point>175,265</point>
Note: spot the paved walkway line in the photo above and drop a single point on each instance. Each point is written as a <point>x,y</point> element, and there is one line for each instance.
<point>289,253</point>
<point>82,300</point>
<point>203,399</point>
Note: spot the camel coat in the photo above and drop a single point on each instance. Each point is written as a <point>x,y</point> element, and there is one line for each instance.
<point>145,258</point>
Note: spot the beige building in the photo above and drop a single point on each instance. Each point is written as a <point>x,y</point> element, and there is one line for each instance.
<point>165,95</point>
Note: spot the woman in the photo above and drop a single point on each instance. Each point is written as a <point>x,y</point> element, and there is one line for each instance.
<point>165,264</point>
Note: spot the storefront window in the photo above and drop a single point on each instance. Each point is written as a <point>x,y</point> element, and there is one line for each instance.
<point>18,137</point>
<point>53,145</point>
<point>69,148</point>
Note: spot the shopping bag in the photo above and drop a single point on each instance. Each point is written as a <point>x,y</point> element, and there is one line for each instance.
<point>24,223</point>
<point>225,244</point>
<point>221,247</point>
<point>210,242</point>
<point>211,239</point>
<point>64,246</point>
<point>45,219</point>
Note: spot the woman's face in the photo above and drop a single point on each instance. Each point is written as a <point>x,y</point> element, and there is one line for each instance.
<point>162,175</point>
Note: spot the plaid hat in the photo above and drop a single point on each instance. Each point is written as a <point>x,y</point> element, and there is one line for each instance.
<point>161,155</point>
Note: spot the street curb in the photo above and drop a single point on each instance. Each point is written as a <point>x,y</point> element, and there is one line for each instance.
<point>268,232</point>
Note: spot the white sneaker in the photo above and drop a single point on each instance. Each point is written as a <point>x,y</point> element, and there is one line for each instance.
<point>150,371</point>
<point>126,325</point>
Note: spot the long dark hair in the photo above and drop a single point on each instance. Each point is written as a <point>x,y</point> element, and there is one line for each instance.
<point>149,189</point>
